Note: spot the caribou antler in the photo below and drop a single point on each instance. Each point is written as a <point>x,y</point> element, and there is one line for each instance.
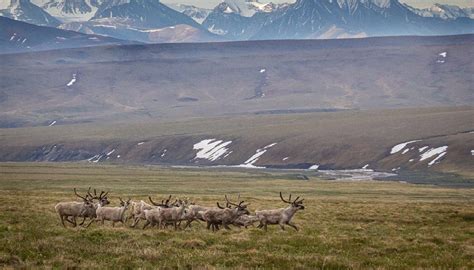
<point>162,204</point>
<point>289,201</point>
<point>234,204</point>
<point>84,198</point>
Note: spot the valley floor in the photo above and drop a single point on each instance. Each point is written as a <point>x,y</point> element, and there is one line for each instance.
<point>367,224</point>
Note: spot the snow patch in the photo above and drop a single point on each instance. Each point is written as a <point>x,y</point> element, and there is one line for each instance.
<point>72,81</point>
<point>52,123</point>
<point>405,151</point>
<point>253,159</point>
<point>95,158</point>
<point>211,149</point>
<point>436,159</point>
<point>140,143</point>
<point>263,70</point>
<point>433,152</point>
<point>439,151</point>
<point>365,166</point>
<point>472,152</point>
<point>422,149</point>
<point>110,153</point>
<point>443,54</point>
<point>285,158</point>
<point>397,148</point>
<point>164,153</point>
<point>314,167</point>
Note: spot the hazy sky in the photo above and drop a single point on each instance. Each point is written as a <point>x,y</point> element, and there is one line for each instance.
<point>415,3</point>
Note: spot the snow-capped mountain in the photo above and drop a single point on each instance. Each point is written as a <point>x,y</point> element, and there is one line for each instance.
<point>143,13</point>
<point>72,10</point>
<point>240,19</point>
<point>142,20</point>
<point>446,12</point>
<point>328,19</point>
<point>24,10</point>
<point>196,13</point>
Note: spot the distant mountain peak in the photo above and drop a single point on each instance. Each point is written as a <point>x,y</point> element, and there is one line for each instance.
<point>24,10</point>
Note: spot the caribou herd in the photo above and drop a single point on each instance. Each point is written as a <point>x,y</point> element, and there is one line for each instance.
<point>94,206</point>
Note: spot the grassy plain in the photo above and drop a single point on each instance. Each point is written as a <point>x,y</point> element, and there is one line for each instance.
<point>345,225</point>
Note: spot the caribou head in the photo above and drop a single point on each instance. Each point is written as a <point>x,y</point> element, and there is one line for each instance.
<point>298,204</point>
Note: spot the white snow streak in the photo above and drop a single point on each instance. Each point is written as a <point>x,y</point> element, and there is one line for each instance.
<point>110,153</point>
<point>397,148</point>
<point>433,152</point>
<point>211,149</point>
<point>422,149</point>
<point>253,159</point>
<point>443,54</point>
<point>73,80</point>
<point>314,167</point>
<point>440,151</point>
<point>263,70</point>
<point>140,143</point>
<point>436,159</point>
<point>52,123</point>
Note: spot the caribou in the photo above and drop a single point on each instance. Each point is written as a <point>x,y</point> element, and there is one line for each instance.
<point>224,215</point>
<point>84,209</point>
<point>114,214</point>
<point>280,216</point>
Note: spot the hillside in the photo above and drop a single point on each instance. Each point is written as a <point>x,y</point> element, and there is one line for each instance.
<point>171,81</point>
<point>338,104</point>
<point>333,140</point>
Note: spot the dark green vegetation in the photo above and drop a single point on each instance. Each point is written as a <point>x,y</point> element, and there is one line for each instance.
<point>345,224</point>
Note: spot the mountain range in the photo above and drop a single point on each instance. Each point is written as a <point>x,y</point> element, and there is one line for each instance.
<point>151,21</point>
<point>16,36</point>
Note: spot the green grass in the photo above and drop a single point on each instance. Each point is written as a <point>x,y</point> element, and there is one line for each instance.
<point>345,224</point>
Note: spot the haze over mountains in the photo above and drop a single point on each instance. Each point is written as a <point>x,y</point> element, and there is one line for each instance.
<point>150,21</point>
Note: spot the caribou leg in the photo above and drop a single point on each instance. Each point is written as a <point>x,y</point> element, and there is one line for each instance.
<point>83,220</point>
<point>282,226</point>
<point>92,220</point>
<point>135,222</point>
<point>293,226</point>
<point>62,220</point>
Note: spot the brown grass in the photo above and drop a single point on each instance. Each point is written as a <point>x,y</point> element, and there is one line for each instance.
<point>346,224</point>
